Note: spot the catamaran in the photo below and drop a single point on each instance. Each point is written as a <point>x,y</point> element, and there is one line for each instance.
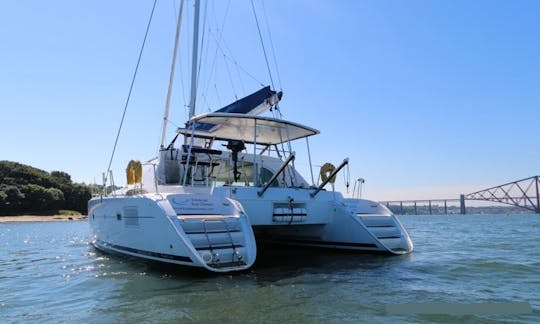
<point>230,183</point>
<point>283,207</point>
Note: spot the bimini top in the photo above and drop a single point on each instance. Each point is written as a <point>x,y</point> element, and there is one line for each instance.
<point>233,126</point>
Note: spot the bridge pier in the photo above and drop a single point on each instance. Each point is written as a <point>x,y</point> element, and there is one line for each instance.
<point>428,206</point>
<point>462,204</point>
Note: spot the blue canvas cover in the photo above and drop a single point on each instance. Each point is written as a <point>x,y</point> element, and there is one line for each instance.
<point>242,106</point>
<point>248,103</point>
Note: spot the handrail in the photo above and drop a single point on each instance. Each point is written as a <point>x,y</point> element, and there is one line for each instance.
<point>155,178</point>
<point>274,177</point>
<point>112,184</point>
<point>344,163</point>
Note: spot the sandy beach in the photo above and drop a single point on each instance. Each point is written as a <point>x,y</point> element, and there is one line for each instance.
<point>52,218</point>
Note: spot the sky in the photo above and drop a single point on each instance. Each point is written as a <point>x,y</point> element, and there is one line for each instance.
<point>428,99</point>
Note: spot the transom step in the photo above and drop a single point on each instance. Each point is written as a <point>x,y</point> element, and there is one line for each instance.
<point>193,224</point>
<point>218,239</point>
<point>377,220</point>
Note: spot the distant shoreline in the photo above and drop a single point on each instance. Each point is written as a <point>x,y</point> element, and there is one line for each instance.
<point>34,218</point>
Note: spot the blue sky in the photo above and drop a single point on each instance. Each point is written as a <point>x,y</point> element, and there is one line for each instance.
<point>428,99</point>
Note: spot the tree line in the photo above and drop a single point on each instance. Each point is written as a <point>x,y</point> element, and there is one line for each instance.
<point>25,189</point>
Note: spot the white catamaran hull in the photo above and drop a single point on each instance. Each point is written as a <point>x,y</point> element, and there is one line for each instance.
<point>184,229</point>
<point>292,216</point>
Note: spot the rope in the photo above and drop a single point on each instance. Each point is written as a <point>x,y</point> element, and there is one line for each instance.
<point>262,44</point>
<point>131,87</point>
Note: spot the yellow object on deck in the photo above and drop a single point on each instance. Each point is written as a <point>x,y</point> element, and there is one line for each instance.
<point>134,172</point>
<point>326,171</point>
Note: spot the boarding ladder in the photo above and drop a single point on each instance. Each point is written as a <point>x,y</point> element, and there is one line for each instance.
<point>219,239</point>
<point>386,230</point>
<point>215,255</point>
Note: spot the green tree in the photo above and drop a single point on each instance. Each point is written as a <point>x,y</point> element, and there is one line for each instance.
<point>61,177</point>
<point>27,189</point>
<point>56,199</point>
<point>3,198</point>
<point>11,199</point>
<point>21,174</point>
<point>36,197</point>
<point>77,196</point>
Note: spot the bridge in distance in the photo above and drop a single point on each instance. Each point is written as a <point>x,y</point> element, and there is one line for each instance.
<point>522,193</point>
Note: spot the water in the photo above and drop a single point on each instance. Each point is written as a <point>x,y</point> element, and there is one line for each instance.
<point>49,272</point>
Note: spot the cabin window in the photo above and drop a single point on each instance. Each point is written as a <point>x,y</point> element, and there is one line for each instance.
<point>224,173</point>
<point>265,176</point>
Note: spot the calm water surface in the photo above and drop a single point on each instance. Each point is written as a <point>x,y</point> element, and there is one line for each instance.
<point>49,272</point>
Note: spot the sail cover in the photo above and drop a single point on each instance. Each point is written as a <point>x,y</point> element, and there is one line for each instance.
<point>253,104</point>
<point>247,104</point>
<point>247,128</point>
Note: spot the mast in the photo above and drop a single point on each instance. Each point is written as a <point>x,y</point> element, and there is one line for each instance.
<point>171,75</point>
<point>194,61</point>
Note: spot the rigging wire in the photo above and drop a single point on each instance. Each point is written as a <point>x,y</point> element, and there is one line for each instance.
<point>276,111</point>
<point>262,44</point>
<point>173,123</point>
<point>236,64</point>
<point>240,80</point>
<point>226,54</point>
<point>202,45</point>
<point>194,60</point>
<point>205,99</point>
<point>171,75</point>
<point>205,70</point>
<point>220,33</point>
<point>131,88</point>
<point>217,92</point>
<point>189,53</point>
<point>230,77</point>
<point>182,85</point>
<point>271,45</point>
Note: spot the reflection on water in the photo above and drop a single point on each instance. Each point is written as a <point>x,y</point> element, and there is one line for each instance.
<point>286,284</point>
<point>49,272</point>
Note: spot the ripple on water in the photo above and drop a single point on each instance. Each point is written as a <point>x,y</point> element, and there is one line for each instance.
<point>53,274</point>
